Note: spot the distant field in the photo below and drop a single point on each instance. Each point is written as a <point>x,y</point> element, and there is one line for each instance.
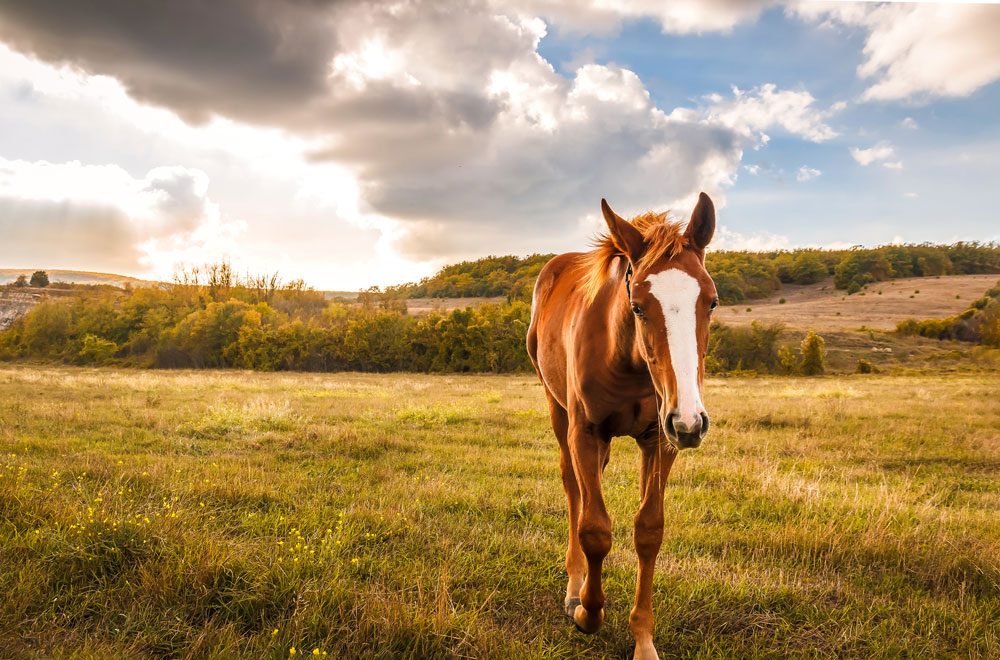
<point>821,306</point>
<point>424,306</point>
<point>237,515</point>
<point>881,306</point>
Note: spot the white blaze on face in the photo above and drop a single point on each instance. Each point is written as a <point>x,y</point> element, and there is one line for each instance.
<point>677,292</point>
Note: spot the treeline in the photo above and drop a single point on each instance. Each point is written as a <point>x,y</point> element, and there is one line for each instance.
<point>738,276</point>
<point>743,276</point>
<point>509,276</point>
<point>980,323</point>
<point>263,325</point>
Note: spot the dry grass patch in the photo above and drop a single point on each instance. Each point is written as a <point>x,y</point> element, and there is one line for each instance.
<point>231,514</point>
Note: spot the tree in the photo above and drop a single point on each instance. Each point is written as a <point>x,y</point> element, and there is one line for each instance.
<point>39,278</point>
<point>21,280</point>
<point>808,268</point>
<point>812,354</point>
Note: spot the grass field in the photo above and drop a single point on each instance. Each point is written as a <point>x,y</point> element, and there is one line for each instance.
<point>229,514</point>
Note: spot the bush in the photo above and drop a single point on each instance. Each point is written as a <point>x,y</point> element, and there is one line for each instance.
<point>96,350</point>
<point>789,362</point>
<point>743,348</point>
<point>812,354</point>
<point>39,279</point>
<point>865,367</point>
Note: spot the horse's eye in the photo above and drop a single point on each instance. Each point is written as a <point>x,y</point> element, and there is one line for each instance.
<point>637,310</point>
<point>715,303</point>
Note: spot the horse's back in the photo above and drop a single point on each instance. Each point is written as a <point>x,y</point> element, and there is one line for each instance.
<point>557,293</point>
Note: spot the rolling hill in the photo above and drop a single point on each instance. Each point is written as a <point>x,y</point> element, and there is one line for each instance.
<point>880,306</point>
<point>8,275</point>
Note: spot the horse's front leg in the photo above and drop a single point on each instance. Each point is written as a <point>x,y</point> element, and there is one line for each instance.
<point>590,452</point>
<point>657,457</point>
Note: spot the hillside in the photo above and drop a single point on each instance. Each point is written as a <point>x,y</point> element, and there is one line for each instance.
<point>739,276</point>
<point>8,275</point>
<point>879,307</point>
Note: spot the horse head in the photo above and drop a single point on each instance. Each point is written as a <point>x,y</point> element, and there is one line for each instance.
<point>671,297</point>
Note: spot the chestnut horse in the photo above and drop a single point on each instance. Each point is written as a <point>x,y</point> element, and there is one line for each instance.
<point>618,337</point>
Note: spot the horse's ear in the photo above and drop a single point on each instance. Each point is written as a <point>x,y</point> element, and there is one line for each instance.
<point>702,225</point>
<point>626,237</point>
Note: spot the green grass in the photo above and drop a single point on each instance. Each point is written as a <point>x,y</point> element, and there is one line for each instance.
<point>230,514</point>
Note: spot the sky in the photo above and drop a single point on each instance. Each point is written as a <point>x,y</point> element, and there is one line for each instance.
<point>361,143</point>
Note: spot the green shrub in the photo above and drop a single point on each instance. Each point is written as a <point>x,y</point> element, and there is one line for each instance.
<point>865,367</point>
<point>744,348</point>
<point>812,354</point>
<point>95,350</point>
<point>788,359</point>
<point>39,279</point>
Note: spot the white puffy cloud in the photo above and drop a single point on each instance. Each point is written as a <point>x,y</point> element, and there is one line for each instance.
<point>766,106</point>
<point>868,156</point>
<point>472,139</point>
<point>438,125</point>
<point>909,122</point>
<point>70,213</point>
<point>807,173</point>
<point>674,17</point>
<point>763,241</point>
<point>920,50</point>
<point>893,165</point>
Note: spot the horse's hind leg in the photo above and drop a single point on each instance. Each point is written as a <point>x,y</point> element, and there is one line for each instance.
<point>590,454</point>
<point>576,564</point>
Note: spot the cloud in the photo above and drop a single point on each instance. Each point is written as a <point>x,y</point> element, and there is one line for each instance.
<point>439,124</point>
<point>868,156</point>
<point>920,50</point>
<point>71,215</point>
<point>806,173</point>
<point>726,239</point>
<point>910,123</point>
<point>894,165</point>
<point>767,107</point>
<point>674,17</point>
<point>256,60</point>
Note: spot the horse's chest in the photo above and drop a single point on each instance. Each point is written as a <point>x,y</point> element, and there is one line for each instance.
<point>619,408</point>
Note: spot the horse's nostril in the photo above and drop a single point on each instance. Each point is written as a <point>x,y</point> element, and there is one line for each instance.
<point>669,425</point>
<point>704,425</point>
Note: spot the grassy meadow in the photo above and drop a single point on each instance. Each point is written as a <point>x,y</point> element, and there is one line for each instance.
<point>227,514</point>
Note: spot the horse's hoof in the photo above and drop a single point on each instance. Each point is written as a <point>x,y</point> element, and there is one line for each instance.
<point>586,622</point>
<point>569,605</point>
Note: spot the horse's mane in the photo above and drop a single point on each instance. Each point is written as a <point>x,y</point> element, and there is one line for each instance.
<point>664,237</point>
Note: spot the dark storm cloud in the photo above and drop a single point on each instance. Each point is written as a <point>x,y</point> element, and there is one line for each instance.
<point>256,60</point>
<point>452,123</point>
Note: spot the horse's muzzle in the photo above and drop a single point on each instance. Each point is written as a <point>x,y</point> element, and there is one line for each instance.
<point>684,436</point>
